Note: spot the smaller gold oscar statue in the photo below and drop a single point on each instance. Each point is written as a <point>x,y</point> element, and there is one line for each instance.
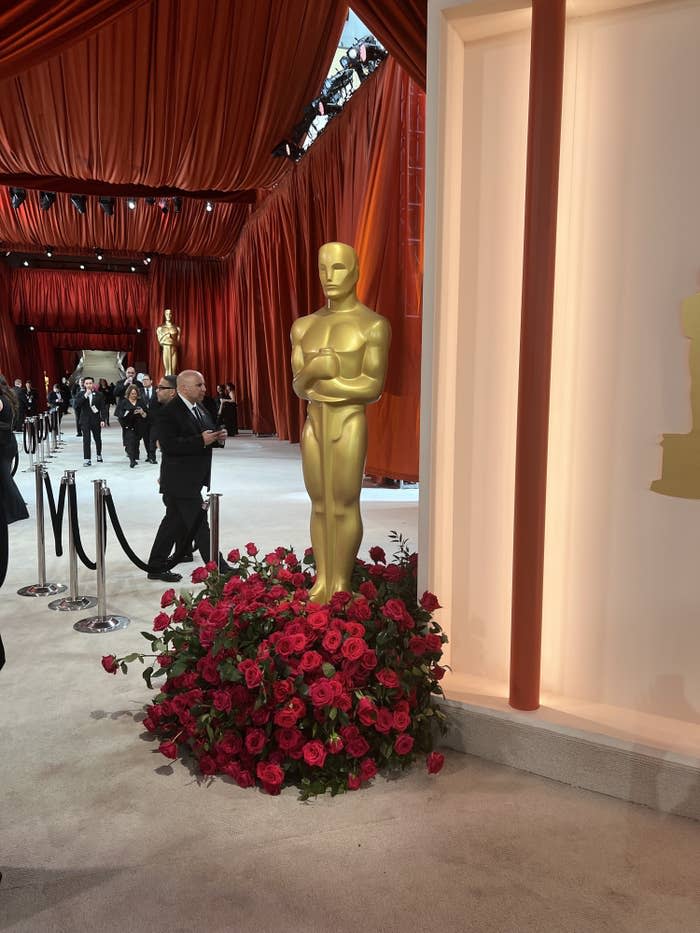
<point>339,362</point>
<point>680,472</point>
<point>168,335</point>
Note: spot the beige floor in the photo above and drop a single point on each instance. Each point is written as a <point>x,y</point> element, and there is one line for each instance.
<point>99,833</point>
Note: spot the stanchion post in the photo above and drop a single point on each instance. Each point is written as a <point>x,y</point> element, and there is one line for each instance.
<point>214,526</point>
<point>73,601</point>
<point>102,622</point>
<point>42,588</point>
<point>31,421</point>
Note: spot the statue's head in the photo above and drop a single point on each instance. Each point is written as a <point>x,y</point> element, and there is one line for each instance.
<point>338,269</point>
<point>168,314</point>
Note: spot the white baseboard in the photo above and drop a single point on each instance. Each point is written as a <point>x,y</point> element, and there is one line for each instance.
<point>636,773</point>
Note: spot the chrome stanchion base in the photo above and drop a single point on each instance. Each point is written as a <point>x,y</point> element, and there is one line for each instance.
<point>46,589</point>
<point>66,604</point>
<point>100,625</point>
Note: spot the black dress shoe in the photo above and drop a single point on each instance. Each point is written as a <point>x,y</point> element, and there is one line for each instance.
<point>167,576</point>
<point>132,463</point>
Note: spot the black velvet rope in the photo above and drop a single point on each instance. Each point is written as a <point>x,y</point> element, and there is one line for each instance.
<point>29,430</point>
<point>56,513</point>
<point>39,425</point>
<point>142,565</point>
<point>73,512</point>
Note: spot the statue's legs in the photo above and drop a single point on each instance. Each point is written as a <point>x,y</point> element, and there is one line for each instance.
<point>313,480</point>
<point>349,452</point>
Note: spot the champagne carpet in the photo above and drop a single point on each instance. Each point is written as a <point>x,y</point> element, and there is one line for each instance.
<point>100,833</point>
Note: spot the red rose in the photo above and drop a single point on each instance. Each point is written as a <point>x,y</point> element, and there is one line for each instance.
<point>318,620</point>
<point>314,753</point>
<point>221,699</point>
<point>286,718</point>
<point>207,765</point>
<point>394,609</point>
<point>429,602</point>
<point>385,720</point>
<point>298,641</point>
<point>403,744</point>
<point>360,610</point>
<point>180,613</point>
<point>353,648</point>
<point>251,549</point>
<point>369,660</point>
<point>434,644</point>
<point>402,720</point>
<point>366,711</point>
<point>368,589</point>
<point>169,749</point>
<point>231,744</point>
<point>270,774</point>
<point>284,646</point>
<point>149,724</point>
<point>334,744</point>
<point>377,554</point>
<point>234,556</point>
<point>417,645</point>
<point>245,778</point>
<point>388,678</point>
<point>282,690</point>
<point>310,661</point>
<point>161,621</point>
<point>288,739</point>
<point>357,747</point>
<point>438,672</point>
<point>199,575</point>
<point>368,769</point>
<point>255,741</point>
<point>167,598</point>
<point>165,660</point>
<point>109,663</point>
<point>435,761</point>
<point>321,693</point>
<point>354,781</point>
<point>331,640</point>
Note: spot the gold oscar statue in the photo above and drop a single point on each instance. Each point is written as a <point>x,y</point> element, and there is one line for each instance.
<point>680,472</point>
<point>339,361</point>
<point>168,335</point>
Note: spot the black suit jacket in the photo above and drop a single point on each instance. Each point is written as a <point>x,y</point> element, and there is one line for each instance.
<point>86,417</point>
<point>186,463</point>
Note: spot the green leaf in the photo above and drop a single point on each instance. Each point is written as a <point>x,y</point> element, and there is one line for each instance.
<point>150,636</point>
<point>147,677</point>
<point>130,658</point>
<point>333,713</point>
<point>328,669</point>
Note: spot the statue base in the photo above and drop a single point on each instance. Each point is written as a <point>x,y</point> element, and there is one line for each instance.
<point>680,471</point>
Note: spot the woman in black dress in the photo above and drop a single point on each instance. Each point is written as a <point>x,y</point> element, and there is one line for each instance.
<point>13,504</point>
<point>228,410</point>
<point>131,412</point>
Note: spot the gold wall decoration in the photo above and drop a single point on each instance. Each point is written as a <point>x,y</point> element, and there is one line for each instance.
<point>339,362</point>
<point>680,472</point>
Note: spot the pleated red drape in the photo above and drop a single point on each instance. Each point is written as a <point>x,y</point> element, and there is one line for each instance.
<point>9,351</point>
<point>347,188</point>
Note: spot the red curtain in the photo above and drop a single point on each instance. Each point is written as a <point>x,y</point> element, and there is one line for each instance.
<point>193,231</point>
<point>401,26</point>
<point>176,93</point>
<point>33,30</point>
<point>9,352</point>
<point>347,188</point>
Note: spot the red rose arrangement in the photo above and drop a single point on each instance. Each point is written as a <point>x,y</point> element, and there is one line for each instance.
<point>272,690</point>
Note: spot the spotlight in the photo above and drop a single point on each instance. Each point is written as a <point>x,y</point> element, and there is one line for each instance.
<point>99,256</point>
<point>31,327</point>
<point>79,202</point>
<point>49,252</point>
<point>107,205</point>
<point>26,262</point>
<point>131,203</point>
<point>46,200</point>
<point>138,330</point>
<point>147,260</point>
<point>209,207</point>
<point>177,205</point>
<point>17,196</point>
<point>133,268</point>
<point>163,205</point>
<point>82,265</point>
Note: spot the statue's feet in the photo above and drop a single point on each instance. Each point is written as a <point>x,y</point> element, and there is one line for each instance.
<point>317,593</point>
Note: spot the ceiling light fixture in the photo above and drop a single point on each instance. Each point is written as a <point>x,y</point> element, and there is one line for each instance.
<point>26,262</point>
<point>99,256</point>
<point>133,268</point>
<point>17,196</point>
<point>163,205</point>
<point>107,205</point>
<point>131,203</point>
<point>82,265</point>
<point>209,207</point>
<point>79,202</point>
<point>49,252</point>
<point>46,200</point>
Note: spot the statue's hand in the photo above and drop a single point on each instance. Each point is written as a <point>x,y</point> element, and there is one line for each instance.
<point>327,363</point>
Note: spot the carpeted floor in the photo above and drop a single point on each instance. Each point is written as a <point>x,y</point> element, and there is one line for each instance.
<point>99,833</point>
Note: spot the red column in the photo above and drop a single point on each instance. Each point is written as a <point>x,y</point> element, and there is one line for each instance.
<point>543,138</point>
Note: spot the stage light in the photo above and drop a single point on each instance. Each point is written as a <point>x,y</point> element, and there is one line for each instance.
<point>49,252</point>
<point>26,262</point>
<point>177,205</point>
<point>17,196</point>
<point>82,265</point>
<point>133,268</point>
<point>107,205</point>
<point>163,205</point>
<point>131,203</point>
<point>98,254</point>
<point>138,330</point>
<point>209,207</point>
<point>79,202</point>
<point>46,200</point>
<point>31,327</point>
<point>147,260</point>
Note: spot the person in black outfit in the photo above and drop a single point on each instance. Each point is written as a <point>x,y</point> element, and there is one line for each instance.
<point>151,403</point>
<point>186,435</point>
<point>132,417</point>
<point>228,410</point>
<point>90,414</point>
<point>13,504</point>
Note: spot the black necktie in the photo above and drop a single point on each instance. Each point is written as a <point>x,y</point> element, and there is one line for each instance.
<point>198,416</point>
